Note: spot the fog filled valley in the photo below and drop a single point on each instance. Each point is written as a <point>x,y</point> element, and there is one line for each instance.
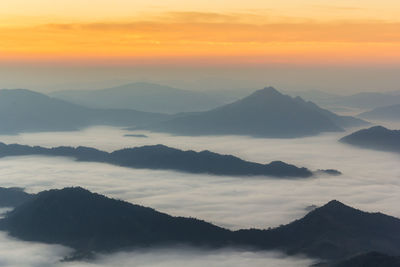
<point>267,179</point>
<point>370,181</point>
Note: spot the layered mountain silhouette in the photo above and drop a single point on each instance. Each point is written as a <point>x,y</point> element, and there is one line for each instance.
<point>27,111</point>
<point>163,157</point>
<point>265,113</point>
<point>377,137</point>
<point>146,97</point>
<point>387,113</point>
<point>91,222</point>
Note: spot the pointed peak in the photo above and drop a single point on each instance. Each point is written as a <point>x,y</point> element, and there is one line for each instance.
<point>267,92</point>
<point>270,89</point>
<point>333,205</point>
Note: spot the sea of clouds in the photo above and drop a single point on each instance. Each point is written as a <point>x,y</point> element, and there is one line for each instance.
<point>370,181</point>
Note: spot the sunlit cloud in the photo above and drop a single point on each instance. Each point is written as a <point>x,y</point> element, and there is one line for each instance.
<point>205,38</point>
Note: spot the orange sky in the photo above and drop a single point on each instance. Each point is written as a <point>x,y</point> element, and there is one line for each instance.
<point>189,32</point>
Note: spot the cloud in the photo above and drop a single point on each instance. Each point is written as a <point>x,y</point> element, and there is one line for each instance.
<point>213,36</point>
<point>15,253</point>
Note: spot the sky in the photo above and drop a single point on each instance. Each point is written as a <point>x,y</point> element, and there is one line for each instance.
<point>190,36</point>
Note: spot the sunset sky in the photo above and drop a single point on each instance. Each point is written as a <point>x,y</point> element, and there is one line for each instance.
<point>199,33</point>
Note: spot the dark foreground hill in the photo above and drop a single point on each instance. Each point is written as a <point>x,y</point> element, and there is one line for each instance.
<point>27,111</point>
<point>265,113</point>
<point>387,113</point>
<point>163,157</point>
<point>91,222</point>
<point>377,137</point>
<point>371,259</point>
<point>333,231</point>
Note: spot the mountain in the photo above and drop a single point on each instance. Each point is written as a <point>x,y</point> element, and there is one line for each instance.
<point>163,157</point>
<point>27,111</point>
<point>387,113</point>
<point>368,100</point>
<point>265,113</point>
<point>13,196</point>
<point>146,97</point>
<point>371,259</point>
<point>377,137</point>
<point>333,231</point>
<point>90,222</point>
<point>364,100</point>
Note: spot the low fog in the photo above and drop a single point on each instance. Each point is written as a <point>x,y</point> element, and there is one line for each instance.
<point>370,181</point>
<point>40,255</point>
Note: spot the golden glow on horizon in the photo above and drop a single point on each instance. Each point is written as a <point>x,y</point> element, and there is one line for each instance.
<point>255,32</point>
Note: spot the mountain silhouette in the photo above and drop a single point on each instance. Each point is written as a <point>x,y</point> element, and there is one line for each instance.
<point>387,113</point>
<point>333,231</point>
<point>377,137</point>
<point>363,100</point>
<point>13,196</point>
<point>370,259</point>
<point>27,111</point>
<point>265,113</point>
<point>90,222</point>
<point>141,96</point>
<point>163,157</point>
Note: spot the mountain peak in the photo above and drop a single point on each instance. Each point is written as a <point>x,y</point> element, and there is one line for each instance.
<point>267,91</point>
<point>334,204</point>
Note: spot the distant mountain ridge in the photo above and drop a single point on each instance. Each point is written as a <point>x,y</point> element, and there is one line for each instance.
<point>377,137</point>
<point>27,111</point>
<point>141,96</point>
<point>163,157</point>
<point>265,113</point>
<point>363,100</point>
<point>90,222</point>
<point>386,113</point>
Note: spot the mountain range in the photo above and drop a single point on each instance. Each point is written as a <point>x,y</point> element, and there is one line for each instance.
<point>377,137</point>
<point>167,158</point>
<point>387,113</point>
<point>90,222</point>
<point>364,100</point>
<point>145,97</point>
<point>265,113</point>
<point>27,111</point>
